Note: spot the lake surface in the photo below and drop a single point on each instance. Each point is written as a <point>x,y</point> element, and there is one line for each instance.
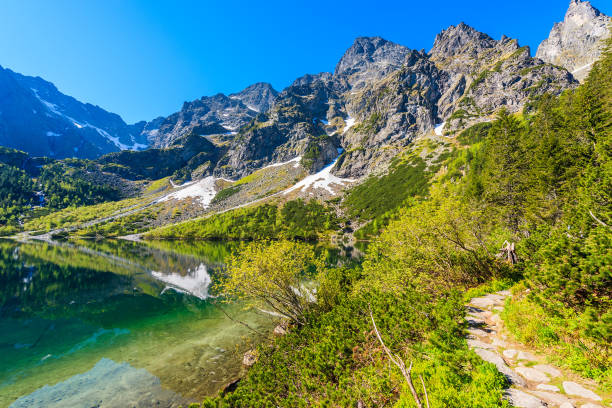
<point>115,324</point>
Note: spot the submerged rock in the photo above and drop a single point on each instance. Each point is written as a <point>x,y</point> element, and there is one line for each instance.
<point>250,358</point>
<point>108,384</point>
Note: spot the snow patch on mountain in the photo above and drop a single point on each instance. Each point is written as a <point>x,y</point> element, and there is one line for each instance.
<point>203,190</point>
<point>323,179</point>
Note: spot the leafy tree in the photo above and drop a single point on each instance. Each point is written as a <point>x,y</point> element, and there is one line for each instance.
<point>273,276</point>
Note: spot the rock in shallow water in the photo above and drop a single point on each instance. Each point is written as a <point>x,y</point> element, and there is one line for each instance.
<point>108,384</point>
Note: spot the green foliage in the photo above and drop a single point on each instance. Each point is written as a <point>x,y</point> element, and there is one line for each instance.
<point>378,195</point>
<point>16,193</point>
<point>272,276</point>
<point>474,134</point>
<point>64,185</point>
<point>295,220</point>
<point>226,193</point>
<point>564,335</point>
<point>335,358</point>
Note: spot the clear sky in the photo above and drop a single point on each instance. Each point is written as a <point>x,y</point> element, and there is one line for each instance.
<point>142,59</point>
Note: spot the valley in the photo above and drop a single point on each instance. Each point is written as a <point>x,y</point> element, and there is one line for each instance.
<point>379,235</point>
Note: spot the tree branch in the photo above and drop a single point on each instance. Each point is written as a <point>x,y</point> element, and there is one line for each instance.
<point>397,360</point>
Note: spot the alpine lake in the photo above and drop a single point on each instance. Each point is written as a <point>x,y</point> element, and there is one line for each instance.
<point>117,324</point>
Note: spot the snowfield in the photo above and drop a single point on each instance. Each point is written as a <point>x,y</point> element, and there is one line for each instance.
<point>295,160</point>
<point>204,190</point>
<point>323,179</point>
<point>439,128</point>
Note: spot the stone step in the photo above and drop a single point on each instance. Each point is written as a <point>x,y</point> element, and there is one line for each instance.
<point>521,399</point>
<point>575,389</point>
<point>531,374</point>
<point>495,359</point>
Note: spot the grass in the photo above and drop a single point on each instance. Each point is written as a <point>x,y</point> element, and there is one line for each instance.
<point>559,336</point>
<point>76,215</point>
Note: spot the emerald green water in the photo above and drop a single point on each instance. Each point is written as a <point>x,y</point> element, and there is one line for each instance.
<point>115,324</point>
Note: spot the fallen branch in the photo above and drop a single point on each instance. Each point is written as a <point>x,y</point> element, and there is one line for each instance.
<point>397,360</point>
<point>598,220</point>
<point>236,320</point>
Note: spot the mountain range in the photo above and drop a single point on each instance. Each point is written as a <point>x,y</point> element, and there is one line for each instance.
<point>379,98</point>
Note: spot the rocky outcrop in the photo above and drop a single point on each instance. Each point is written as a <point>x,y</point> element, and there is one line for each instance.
<point>258,97</point>
<point>295,125</point>
<point>370,59</point>
<point>215,115</point>
<point>485,75</point>
<point>190,156</point>
<point>576,42</point>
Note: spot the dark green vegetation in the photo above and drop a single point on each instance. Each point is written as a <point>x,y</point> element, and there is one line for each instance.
<point>543,181</point>
<point>187,154</point>
<point>377,195</point>
<point>226,193</point>
<point>27,182</point>
<point>294,220</point>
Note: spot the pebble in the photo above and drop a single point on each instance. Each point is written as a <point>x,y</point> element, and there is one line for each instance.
<point>474,321</point>
<point>477,333</point>
<point>532,374</point>
<point>499,343</point>
<point>487,302</point>
<point>578,390</point>
<point>521,399</point>
<point>548,387</point>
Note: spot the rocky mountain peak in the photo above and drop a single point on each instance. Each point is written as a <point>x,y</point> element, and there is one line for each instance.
<point>258,97</point>
<point>370,59</point>
<point>457,39</point>
<point>576,42</point>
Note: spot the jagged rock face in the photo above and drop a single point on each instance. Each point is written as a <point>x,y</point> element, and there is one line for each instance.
<point>458,47</point>
<point>393,94</point>
<point>39,119</point>
<point>148,130</point>
<point>484,75</point>
<point>209,115</point>
<point>258,97</point>
<point>390,113</point>
<point>293,126</point>
<point>218,114</point>
<point>370,59</point>
<point>576,42</point>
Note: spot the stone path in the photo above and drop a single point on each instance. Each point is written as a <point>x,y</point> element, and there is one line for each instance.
<point>534,382</point>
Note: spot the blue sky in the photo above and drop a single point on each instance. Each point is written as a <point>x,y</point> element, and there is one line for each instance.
<point>142,59</point>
